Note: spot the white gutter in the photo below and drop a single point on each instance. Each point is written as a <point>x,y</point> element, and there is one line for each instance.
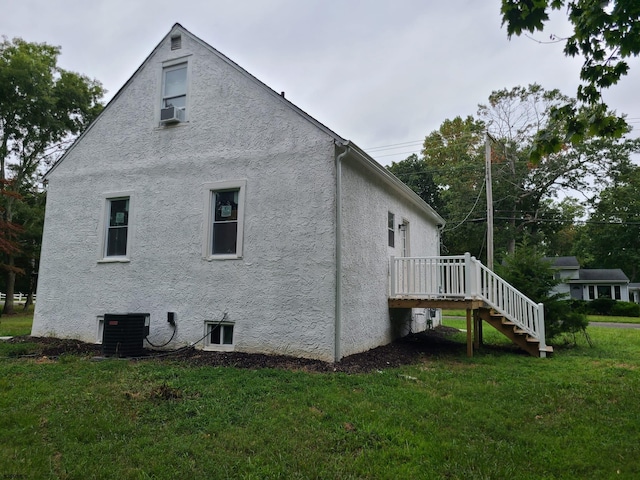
<point>338,313</point>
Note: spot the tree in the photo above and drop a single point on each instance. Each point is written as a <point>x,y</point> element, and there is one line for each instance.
<point>606,33</point>
<point>42,106</point>
<point>528,272</point>
<point>529,201</point>
<point>613,229</point>
<point>524,192</point>
<point>413,173</point>
<point>454,156</point>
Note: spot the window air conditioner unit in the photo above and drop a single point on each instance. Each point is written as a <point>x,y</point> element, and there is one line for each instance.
<point>172,115</point>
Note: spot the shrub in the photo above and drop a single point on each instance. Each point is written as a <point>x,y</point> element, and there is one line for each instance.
<point>601,306</point>
<point>625,309</point>
<point>527,271</point>
<point>560,317</point>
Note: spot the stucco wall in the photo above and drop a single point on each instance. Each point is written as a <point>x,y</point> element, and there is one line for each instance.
<point>366,322</point>
<point>280,294</point>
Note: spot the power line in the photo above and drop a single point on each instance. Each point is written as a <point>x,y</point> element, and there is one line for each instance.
<point>468,214</point>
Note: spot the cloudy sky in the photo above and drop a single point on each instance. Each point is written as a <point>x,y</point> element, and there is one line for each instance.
<point>382,73</point>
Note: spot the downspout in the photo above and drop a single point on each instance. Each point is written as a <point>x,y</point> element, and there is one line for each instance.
<point>338,313</point>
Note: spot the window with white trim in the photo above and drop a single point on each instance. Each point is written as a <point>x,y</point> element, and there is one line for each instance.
<point>219,336</point>
<point>174,86</point>
<point>117,227</point>
<point>391,219</point>
<point>225,213</point>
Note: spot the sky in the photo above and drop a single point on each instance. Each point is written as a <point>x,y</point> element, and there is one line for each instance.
<point>381,73</point>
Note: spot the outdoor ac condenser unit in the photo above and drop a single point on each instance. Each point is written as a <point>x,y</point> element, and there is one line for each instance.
<point>124,334</point>
<point>172,115</point>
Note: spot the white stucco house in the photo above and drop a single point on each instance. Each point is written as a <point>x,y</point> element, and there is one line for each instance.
<point>588,283</point>
<point>232,218</point>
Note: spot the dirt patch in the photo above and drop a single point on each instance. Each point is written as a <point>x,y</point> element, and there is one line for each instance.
<point>405,351</point>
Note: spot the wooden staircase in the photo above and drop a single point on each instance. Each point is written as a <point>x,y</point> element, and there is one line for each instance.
<point>421,282</point>
<point>512,331</point>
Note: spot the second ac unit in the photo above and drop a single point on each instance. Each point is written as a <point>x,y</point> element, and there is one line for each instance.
<point>172,115</point>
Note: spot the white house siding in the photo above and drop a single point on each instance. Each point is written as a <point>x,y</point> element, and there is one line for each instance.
<point>281,294</point>
<point>366,200</point>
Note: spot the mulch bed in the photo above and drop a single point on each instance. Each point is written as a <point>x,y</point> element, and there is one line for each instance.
<point>405,351</point>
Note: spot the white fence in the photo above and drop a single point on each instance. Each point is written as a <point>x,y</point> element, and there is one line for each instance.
<point>17,297</point>
<point>462,277</point>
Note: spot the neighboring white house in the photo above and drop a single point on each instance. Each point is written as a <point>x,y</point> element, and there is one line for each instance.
<point>202,197</point>
<point>589,283</point>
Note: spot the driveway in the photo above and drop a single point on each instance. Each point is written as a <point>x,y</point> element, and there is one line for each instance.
<point>614,325</point>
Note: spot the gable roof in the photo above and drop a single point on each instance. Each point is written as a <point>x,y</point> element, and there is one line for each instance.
<point>613,275</point>
<point>352,150</point>
<point>564,262</point>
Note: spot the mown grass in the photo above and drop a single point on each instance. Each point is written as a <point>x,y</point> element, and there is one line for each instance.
<point>497,415</point>
<point>18,324</point>
<point>591,318</point>
<point>603,318</point>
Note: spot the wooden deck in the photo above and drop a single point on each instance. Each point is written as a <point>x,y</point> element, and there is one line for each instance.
<point>474,328</point>
<point>462,282</point>
<point>449,304</point>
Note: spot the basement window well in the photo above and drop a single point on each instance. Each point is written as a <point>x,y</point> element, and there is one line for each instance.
<point>219,336</point>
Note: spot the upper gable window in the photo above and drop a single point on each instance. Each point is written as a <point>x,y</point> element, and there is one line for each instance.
<point>174,86</point>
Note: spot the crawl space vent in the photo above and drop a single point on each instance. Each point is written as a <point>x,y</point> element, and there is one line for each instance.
<point>124,333</point>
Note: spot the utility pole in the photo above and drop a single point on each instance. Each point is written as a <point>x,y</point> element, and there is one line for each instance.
<point>488,184</point>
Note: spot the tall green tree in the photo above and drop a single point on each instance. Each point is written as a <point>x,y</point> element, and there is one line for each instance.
<point>613,230</point>
<point>454,155</point>
<point>526,194</point>
<point>529,200</point>
<point>41,107</point>
<point>606,33</point>
<point>414,174</point>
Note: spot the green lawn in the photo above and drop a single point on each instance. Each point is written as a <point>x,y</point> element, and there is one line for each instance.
<point>18,324</point>
<point>497,415</point>
<point>602,318</point>
<point>591,318</point>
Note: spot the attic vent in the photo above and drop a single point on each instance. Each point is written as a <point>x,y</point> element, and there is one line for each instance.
<point>176,42</point>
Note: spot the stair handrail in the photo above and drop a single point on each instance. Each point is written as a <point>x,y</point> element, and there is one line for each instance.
<point>508,301</point>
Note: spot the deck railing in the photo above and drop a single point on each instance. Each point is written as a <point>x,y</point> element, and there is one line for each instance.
<point>462,277</point>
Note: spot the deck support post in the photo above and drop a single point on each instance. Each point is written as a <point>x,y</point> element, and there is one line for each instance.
<point>477,329</point>
<point>469,334</point>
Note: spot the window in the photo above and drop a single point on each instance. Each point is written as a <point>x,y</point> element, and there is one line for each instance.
<point>219,336</point>
<point>617,292</point>
<point>100,331</point>
<point>404,237</point>
<point>224,238</point>
<point>592,292</point>
<point>604,291</point>
<point>174,86</point>
<point>117,227</point>
<point>225,207</point>
<point>391,220</point>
